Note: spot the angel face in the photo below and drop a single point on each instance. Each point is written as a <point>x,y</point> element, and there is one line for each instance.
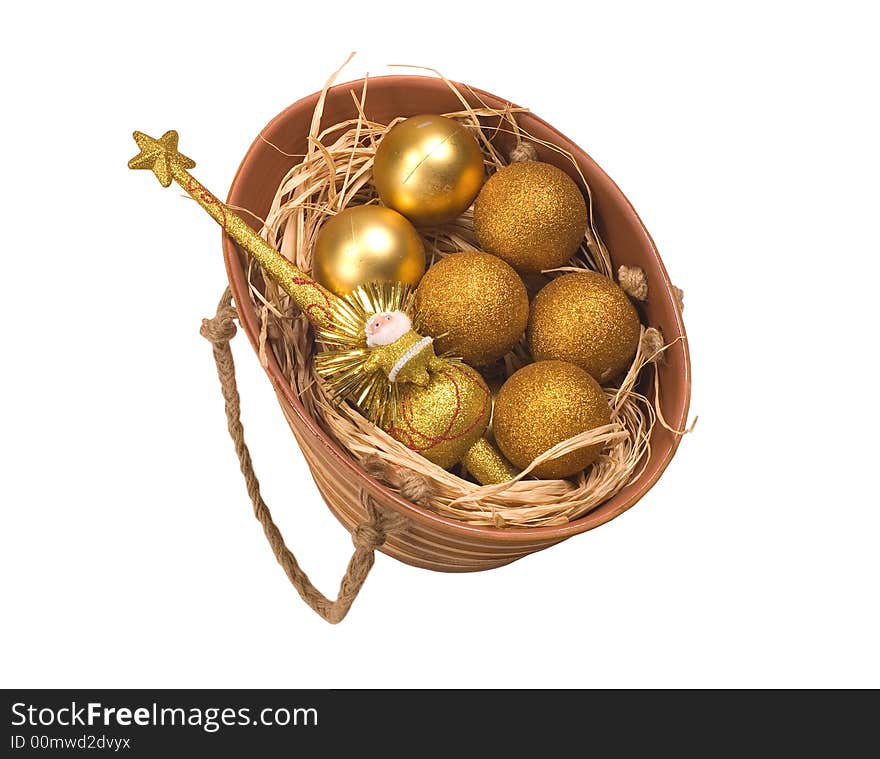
<point>386,327</point>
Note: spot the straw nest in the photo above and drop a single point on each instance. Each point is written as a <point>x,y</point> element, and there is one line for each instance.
<point>336,172</point>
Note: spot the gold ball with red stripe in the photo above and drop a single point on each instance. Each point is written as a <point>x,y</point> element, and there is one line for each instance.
<point>444,419</point>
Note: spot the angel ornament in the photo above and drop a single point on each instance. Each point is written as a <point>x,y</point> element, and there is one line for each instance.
<point>399,351</point>
<point>370,354</point>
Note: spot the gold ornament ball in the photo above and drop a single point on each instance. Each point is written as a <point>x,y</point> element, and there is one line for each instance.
<point>365,244</point>
<point>429,168</point>
<point>584,318</point>
<point>532,215</point>
<point>442,420</point>
<point>474,305</point>
<point>543,404</point>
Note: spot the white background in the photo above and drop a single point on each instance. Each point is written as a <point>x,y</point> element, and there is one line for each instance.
<point>747,140</point>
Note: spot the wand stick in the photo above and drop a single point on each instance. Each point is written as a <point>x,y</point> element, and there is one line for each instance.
<point>164,159</point>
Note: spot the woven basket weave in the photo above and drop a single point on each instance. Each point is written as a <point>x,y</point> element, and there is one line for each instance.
<point>429,540</point>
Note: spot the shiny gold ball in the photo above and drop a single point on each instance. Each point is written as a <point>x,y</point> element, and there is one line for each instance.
<point>363,244</point>
<point>442,420</point>
<point>474,305</point>
<point>429,168</point>
<point>532,215</point>
<point>584,318</point>
<point>543,404</point>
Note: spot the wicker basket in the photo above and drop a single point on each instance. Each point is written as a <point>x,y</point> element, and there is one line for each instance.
<point>429,540</point>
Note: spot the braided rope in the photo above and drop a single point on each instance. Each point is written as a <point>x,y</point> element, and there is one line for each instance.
<point>367,536</point>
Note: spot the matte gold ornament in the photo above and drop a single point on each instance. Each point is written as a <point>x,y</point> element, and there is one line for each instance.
<point>474,305</point>
<point>364,244</point>
<point>429,168</point>
<point>543,404</point>
<point>587,319</point>
<point>532,215</point>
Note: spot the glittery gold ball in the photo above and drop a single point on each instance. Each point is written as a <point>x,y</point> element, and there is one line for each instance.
<point>584,318</point>
<point>543,404</point>
<point>532,215</point>
<point>429,168</point>
<point>474,305</point>
<point>363,244</point>
<point>442,420</point>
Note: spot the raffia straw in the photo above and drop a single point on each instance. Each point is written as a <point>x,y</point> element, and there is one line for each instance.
<point>336,172</point>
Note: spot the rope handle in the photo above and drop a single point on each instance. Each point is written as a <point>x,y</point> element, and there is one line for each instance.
<point>367,536</point>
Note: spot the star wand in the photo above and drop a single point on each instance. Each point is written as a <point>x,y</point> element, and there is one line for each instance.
<point>440,410</point>
<point>165,161</point>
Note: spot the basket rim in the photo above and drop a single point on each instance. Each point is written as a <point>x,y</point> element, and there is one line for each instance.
<point>248,319</point>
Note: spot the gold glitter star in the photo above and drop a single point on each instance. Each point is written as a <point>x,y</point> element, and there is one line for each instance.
<point>160,156</point>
